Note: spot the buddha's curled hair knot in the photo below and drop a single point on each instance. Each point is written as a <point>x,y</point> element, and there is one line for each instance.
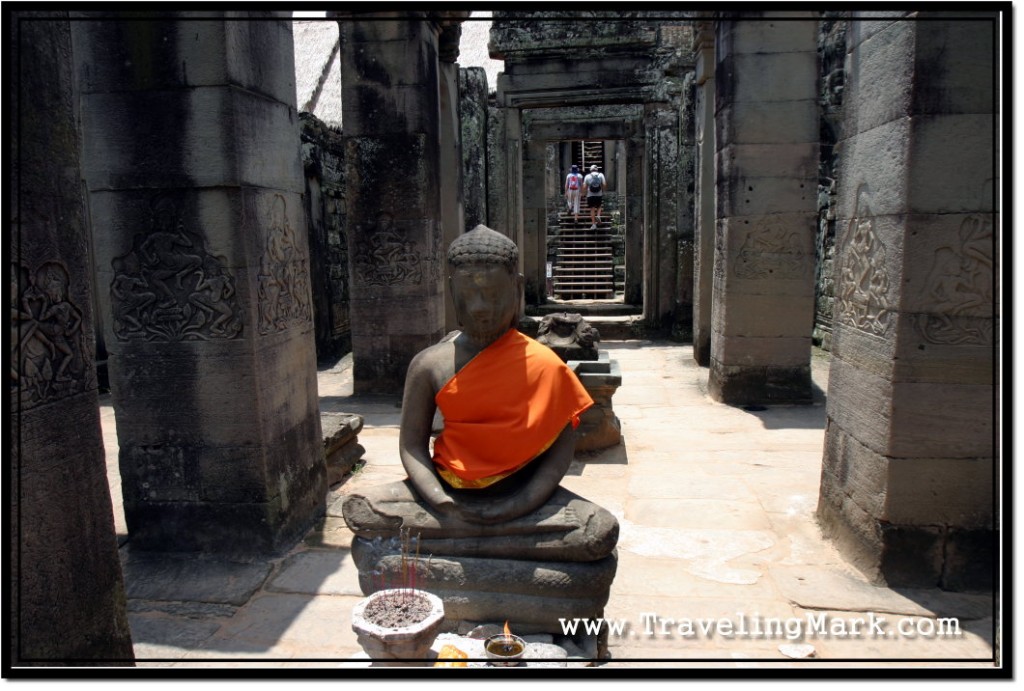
<point>485,246</point>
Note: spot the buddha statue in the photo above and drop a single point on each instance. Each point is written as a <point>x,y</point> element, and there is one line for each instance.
<point>488,487</point>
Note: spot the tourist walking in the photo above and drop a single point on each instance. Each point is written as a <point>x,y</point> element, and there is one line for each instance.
<point>573,185</point>
<point>594,184</point>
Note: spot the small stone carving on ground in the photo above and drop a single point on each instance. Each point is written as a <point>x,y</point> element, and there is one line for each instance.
<point>570,335</point>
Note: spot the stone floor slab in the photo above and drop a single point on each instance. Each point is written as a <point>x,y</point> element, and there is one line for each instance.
<point>155,576</point>
<point>814,587</point>
<point>327,572</point>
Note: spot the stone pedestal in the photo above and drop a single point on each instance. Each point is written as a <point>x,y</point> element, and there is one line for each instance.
<point>67,595</point>
<point>193,167</point>
<point>558,561</point>
<point>531,595</point>
<point>907,486</point>
<point>766,140</point>
<point>342,449</point>
<point>599,428</point>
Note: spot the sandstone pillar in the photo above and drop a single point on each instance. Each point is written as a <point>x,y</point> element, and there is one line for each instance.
<point>473,124</point>
<point>497,184</point>
<point>704,193</point>
<point>634,217</point>
<point>533,248</point>
<point>391,110</point>
<point>452,223</point>
<point>191,150</point>
<point>67,601</point>
<point>907,482</point>
<point>663,179</point>
<point>766,113</point>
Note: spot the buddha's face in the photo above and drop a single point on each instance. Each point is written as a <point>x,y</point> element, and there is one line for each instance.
<point>486,298</point>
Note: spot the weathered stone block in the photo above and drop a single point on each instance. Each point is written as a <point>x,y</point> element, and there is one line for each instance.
<point>940,491</point>
<point>229,528</point>
<point>763,316</point>
<point>754,76</point>
<point>954,66</point>
<point>766,254</point>
<point>949,265</point>
<point>944,349</point>
<point>864,411</point>
<point>865,351</point>
<point>877,21</point>
<point>746,384</point>
<point>798,159</point>
<point>760,351</point>
<point>756,36</point>
<point>853,472</point>
<point>259,56</point>
<point>924,415</point>
<point>873,166</point>
<point>881,86</point>
<point>971,560</point>
<point>911,555</point>
<point>931,189</point>
<point>341,449</point>
<point>769,123</point>
<point>743,196</point>
<point>175,139</point>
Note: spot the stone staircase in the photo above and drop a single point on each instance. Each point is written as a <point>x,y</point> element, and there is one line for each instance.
<point>590,153</point>
<point>584,266</point>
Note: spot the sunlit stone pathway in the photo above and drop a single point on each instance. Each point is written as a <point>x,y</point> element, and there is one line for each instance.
<point>720,560</point>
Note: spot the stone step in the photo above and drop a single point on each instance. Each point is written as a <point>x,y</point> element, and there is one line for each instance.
<point>597,283</point>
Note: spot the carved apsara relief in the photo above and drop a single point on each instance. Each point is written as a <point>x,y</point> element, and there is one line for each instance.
<point>388,257</point>
<point>770,251</point>
<point>959,286</point>
<point>49,351</point>
<point>283,281</point>
<point>862,291</point>
<point>167,287</point>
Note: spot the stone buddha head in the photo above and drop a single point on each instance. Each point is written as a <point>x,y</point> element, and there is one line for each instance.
<point>486,287</point>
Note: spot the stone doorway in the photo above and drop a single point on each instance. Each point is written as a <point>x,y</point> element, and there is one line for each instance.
<point>586,267</point>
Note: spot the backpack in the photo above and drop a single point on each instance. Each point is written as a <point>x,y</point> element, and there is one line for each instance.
<point>574,182</point>
<point>595,183</point>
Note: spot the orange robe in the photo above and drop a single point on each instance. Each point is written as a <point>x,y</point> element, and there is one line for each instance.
<point>505,407</point>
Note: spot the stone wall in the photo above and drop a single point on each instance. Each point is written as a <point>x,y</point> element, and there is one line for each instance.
<point>832,51</point>
<point>323,159</point>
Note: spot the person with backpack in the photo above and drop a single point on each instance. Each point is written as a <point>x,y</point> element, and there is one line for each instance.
<point>573,183</point>
<point>594,183</point>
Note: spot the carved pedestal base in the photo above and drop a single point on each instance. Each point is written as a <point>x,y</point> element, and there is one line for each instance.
<point>531,595</point>
<point>599,428</point>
